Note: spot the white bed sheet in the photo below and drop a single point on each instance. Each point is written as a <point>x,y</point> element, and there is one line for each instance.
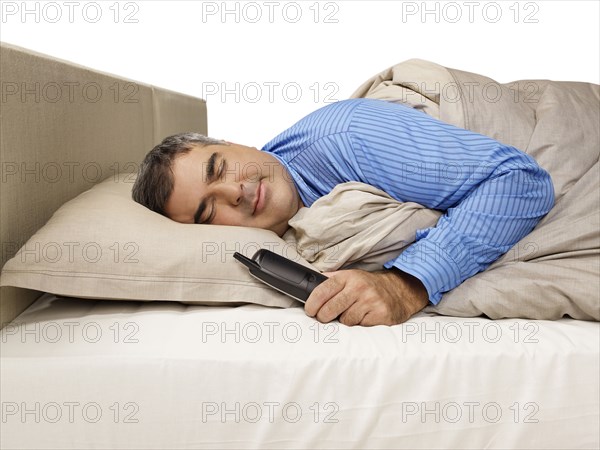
<point>107,374</point>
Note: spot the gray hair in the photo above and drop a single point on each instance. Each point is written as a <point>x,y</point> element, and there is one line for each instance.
<point>154,183</point>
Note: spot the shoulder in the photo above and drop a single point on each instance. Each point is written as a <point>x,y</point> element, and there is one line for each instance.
<point>335,117</point>
<point>346,109</point>
<point>331,119</point>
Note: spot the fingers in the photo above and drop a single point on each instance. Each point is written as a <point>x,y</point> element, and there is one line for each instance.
<point>354,315</point>
<point>339,297</point>
<point>361,298</point>
<point>321,294</point>
<point>336,305</point>
<point>326,299</point>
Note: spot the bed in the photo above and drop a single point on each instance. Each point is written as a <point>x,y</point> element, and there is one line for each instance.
<point>96,373</point>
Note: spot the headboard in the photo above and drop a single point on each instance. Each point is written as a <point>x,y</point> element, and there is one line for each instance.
<point>64,128</point>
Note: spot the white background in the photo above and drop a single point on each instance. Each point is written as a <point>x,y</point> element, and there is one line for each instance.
<point>290,58</point>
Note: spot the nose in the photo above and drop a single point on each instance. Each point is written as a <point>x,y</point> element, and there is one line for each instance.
<point>231,192</point>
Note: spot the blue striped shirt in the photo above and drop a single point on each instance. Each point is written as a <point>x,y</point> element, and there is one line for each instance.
<point>492,194</point>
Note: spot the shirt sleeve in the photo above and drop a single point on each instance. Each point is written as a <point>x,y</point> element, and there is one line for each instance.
<point>492,194</point>
<point>503,209</point>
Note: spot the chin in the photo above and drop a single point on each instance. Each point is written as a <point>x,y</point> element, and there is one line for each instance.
<point>280,230</point>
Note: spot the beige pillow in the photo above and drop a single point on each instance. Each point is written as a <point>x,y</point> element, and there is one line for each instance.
<point>104,245</point>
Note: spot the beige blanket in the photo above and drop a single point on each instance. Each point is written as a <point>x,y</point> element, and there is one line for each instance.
<point>554,270</point>
<point>356,226</point>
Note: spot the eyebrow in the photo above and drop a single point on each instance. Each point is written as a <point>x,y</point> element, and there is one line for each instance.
<point>210,173</point>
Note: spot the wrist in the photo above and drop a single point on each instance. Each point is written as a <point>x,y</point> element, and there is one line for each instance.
<point>416,286</point>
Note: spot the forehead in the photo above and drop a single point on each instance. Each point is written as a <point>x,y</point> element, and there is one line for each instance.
<point>189,171</point>
<point>190,175</point>
<point>195,161</point>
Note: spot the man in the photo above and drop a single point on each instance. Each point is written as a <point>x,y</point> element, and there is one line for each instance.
<point>493,196</point>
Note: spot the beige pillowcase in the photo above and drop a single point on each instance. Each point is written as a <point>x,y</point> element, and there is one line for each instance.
<point>104,245</point>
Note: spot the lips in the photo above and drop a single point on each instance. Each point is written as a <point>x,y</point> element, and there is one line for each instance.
<point>258,198</point>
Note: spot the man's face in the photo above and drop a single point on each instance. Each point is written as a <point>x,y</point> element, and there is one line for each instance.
<point>232,185</point>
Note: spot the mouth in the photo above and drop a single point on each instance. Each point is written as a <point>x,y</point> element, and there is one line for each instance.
<point>259,198</point>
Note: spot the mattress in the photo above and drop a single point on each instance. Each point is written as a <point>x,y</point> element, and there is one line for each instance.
<point>81,373</point>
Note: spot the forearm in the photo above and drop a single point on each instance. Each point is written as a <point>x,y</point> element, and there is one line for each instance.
<point>490,221</point>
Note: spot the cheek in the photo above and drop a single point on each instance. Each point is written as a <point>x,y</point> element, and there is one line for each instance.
<point>227,216</point>
<point>282,202</point>
<point>251,171</point>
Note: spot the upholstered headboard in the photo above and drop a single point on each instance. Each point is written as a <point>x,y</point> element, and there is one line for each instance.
<point>64,128</point>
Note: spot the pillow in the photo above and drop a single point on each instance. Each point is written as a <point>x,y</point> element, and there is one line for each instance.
<point>103,245</point>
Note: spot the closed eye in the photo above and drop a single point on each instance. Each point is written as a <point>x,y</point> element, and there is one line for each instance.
<point>222,168</point>
<point>220,175</point>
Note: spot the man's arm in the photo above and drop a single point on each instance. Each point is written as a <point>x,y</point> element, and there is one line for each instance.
<point>502,210</point>
<point>493,194</point>
<point>466,240</point>
<point>386,297</point>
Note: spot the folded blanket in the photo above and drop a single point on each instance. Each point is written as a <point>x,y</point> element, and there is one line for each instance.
<point>356,226</point>
<point>553,271</point>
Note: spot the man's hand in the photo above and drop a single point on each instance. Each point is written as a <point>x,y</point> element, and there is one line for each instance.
<point>386,297</point>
